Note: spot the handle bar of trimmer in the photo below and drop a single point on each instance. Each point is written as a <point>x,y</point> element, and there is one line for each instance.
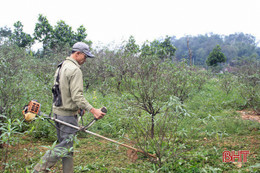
<point>95,134</point>
<point>104,109</point>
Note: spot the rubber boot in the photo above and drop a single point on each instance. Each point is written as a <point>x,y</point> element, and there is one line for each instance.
<point>67,164</point>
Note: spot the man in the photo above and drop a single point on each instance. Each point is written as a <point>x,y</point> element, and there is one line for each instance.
<point>70,85</point>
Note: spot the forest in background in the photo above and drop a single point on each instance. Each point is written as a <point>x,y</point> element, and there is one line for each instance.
<point>166,99</point>
<point>237,47</point>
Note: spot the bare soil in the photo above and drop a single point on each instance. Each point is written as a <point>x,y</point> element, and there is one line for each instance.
<point>249,115</point>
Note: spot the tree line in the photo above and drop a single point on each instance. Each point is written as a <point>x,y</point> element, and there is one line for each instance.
<point>51,37</point>
<point>237,48</point>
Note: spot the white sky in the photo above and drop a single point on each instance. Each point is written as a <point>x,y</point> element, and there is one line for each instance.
<point>109,21</point>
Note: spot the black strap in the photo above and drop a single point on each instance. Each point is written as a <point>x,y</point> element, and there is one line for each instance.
<point>58,75</point>
<point>58,81</point>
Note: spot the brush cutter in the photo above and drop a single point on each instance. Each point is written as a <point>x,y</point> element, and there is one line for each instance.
<point>33,108</point>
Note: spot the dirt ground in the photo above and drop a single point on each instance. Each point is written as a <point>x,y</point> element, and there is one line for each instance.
<point>249,115</point>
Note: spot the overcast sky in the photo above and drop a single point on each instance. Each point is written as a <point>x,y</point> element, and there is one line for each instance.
<point>109,21</point>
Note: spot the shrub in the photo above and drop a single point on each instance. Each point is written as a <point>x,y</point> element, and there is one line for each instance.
<point>166,141</point>
<point>249,85</point>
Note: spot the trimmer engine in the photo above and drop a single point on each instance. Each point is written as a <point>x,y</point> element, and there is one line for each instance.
<point>31,110</point>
